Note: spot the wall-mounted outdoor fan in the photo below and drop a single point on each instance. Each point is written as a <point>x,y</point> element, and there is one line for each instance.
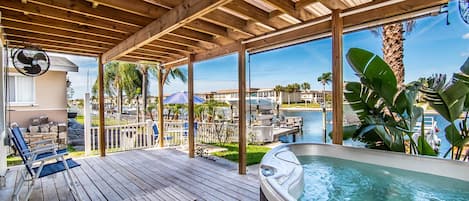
<point>31,61</point>
<point>464,10</point>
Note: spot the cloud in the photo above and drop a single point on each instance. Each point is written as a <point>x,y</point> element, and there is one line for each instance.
<point>465,54</point>
<point>465,36</point>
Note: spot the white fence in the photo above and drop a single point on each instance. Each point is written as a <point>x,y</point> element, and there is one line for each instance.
<point>141,135</point>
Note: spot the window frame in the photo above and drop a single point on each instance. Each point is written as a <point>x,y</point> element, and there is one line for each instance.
<point>16,102</point>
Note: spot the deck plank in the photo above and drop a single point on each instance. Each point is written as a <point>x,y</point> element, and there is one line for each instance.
<point>143,175</point>
<point>200,177</point>
<point>108,192</point>
<point>87,184</point>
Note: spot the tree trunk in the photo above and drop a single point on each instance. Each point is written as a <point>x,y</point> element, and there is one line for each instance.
<point>119,100</point>
<point>393,49</point>
<point>144,92</point>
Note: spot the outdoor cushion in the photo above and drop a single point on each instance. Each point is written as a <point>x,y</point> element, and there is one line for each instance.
<point>53,168</point>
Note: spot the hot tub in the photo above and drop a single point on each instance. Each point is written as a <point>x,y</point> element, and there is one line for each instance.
<point>282,174</point>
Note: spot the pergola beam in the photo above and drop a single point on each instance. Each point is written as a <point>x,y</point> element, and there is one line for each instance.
<point>188,11</point>
<point>56,32</point>
<point>105,13</point>
<point>287,7</point>
<point>71,17</point>
<point>141,8</point>
<point>58,24</point>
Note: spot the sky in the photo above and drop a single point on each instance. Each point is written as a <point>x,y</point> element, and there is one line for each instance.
<point>432,47</point>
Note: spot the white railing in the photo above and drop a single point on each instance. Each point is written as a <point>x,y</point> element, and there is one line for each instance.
<point>122,137</point>
<point>141,135</point>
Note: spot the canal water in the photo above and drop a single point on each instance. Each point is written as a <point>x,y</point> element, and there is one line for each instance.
<point>312,129</point>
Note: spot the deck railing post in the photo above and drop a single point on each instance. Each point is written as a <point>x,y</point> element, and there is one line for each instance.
<point>87,122</point>
<point>149,132</point>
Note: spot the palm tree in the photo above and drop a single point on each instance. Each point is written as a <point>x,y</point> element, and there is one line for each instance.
<point>152,68</point>
<point>393,46</point>
<point>324,79</point>
<point>120,78</point>
<point>305,86</point>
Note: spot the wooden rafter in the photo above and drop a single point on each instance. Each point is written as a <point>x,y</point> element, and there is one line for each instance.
<point>58,24</point>
<point>188,11</point>
<point>56,32</point>
<point>47,37</point>
<point>287,7</point>
<point>334,4</point>
<point>58,14</point>
<point>105,13</point>
<point>141,8</point>
<point>58,42</point>
<point>256,14</point>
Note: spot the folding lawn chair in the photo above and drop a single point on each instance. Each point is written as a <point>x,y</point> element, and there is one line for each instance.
<point>35,165</point>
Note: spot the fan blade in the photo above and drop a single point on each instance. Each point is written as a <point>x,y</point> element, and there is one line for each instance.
<point>40,56</point>
<point>33,69</point>
<point>23,58</point>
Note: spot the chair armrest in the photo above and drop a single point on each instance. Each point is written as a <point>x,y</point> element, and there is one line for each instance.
<point>49,141</point>
<point>44,149</point>
<point>54,156</point>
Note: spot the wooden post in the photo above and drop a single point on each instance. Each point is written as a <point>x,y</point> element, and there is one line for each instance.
<point>4,140</point>
<point>337,78</point>
<point>87,123</point>
<point>242,108</point>
<point>102,140</point>
<point>191,136</point>
<point>160,107</point>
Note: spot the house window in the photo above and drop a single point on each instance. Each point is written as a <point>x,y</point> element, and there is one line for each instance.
<point>20,89</point>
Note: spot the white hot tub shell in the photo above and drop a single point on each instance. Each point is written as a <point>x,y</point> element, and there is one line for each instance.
<point>281,174</point>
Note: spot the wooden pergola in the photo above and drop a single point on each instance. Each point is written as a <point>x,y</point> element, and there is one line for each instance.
<point>179,32</point>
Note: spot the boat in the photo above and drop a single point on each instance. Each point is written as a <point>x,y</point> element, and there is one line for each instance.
<point>430,131</point>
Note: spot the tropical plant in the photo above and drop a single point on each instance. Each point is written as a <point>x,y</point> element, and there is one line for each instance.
<point>325,79</point>
<point>153,68</point>
<point>450,100</point>
<point>387,113</point>
<point>120,78</point>
<point>305,86</point>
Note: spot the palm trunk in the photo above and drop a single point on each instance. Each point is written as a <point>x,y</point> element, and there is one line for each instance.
<point>119,101</point>
<point>144,91</point>
<point>393,49</point>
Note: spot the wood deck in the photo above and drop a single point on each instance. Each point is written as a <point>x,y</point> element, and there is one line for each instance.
<point>145,175</point>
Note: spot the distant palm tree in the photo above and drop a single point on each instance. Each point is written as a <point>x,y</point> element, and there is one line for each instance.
<point>305,86</point>
<point>324,79</point>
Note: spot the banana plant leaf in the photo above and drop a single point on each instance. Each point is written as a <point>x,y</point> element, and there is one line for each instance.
<point>373,72</point>
<point>465,67</point>
<point>448,102</point>
<point>453,136</point>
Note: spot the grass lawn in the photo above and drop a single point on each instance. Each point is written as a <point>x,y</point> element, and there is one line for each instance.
<point>254,153</point>
<point>300,105</point>
<point>95,121</point>
<point>72,153</point>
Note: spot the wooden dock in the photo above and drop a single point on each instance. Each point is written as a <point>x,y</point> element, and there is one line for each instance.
<point>277,132</point>
<point>163,174</point>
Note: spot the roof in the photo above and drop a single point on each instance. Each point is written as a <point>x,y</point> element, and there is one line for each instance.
<point>58,63</point>
<point>167,31</point>
<point>62,64</point>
